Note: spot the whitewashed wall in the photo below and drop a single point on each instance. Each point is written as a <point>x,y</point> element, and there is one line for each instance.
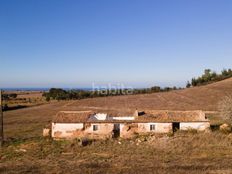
<point>121,128</point>
<point>159,127</point>
<point>65,129</point>
<point>195,125</point>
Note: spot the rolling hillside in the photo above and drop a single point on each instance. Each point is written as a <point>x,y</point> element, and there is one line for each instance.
<point>29,122</point>
<point>203,98</point>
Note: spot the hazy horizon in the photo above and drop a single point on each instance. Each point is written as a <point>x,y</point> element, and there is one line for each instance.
<point>72,44</point>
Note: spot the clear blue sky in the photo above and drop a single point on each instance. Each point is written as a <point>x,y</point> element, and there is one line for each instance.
<point>54,43</point>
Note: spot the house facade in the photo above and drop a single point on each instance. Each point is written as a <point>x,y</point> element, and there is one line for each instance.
<point>79,124</point>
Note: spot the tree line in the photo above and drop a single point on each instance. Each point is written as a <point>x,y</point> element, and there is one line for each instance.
<point>61,94</point>
<point>210,76</point>
<point>9,96</point>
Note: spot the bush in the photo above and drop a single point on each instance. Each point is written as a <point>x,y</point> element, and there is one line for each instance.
<point>13,95</point>
<point>47,98</point>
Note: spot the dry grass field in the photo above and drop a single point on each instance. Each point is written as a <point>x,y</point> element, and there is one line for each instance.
<point>26,151</point>
<point>204,98</point>
<point>182,153</point>
<point>24,99</point>
<point>26,94</point>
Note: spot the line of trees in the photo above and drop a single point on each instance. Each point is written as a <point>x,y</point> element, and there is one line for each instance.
<point>61,94</point>
<point>210,76</point>
<point>9,96</point>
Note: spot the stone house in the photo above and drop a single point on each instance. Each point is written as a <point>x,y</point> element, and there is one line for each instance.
<point>79,124</point>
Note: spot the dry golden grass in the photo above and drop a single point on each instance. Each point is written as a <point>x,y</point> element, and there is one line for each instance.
<point>29,122</point>
<point>24,99</point>
<point>26,94</point>
<point>182,153</point>
<point>197,98</point>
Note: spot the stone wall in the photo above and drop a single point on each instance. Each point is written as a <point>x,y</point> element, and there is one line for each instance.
<point>159,127</point>
<point>105,130</point>
<point>128,130</point>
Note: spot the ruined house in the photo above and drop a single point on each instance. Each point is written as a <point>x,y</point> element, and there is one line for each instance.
<point>79,124</point>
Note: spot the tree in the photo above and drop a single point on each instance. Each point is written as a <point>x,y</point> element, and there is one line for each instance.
<point>5,97</point>
<point>155,89</point>
<point>47,98</point>
<point>207,72</point>
<point>194,82</point>
<point>225,108</point>
<point>225,72</point>
<point>188,85</point>
<point>13,95</point>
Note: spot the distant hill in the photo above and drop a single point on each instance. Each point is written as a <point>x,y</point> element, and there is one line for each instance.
<point>203,97</point>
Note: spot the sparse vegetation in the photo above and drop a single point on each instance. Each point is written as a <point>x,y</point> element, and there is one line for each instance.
<point>20,99</point>
<point>181,153</point>
<point>9,96</point>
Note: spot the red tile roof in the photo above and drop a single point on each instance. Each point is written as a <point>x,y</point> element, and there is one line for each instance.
<point>72,116</point>
<point>171,116</point>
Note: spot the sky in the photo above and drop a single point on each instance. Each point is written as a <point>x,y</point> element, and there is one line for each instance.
<point>135,43</point>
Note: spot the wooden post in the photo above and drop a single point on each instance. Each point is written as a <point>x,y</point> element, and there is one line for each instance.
<point>1,120</point>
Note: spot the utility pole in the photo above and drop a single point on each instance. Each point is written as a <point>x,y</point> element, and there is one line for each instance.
<point>1,120</point>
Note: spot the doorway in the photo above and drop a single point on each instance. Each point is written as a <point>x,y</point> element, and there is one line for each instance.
<point>116,131</point>
<point>175,126</point>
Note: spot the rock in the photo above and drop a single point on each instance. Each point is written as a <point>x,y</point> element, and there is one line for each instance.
<point>21,150</point>
<point>208,130</point>
<point>225,127</point>
<point>67,153</point>
<point>46,132</point>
